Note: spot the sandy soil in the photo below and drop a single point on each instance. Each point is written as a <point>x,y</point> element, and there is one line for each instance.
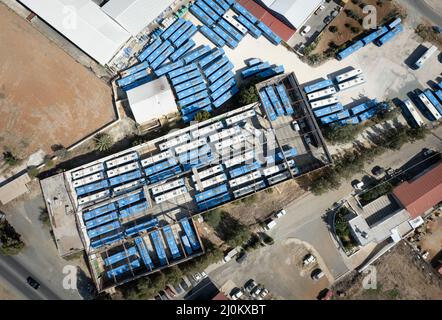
<point>432,241</point>
<point>400,275</point>
<point>46,98</point>
<point>5,294</point>
<point>260,206</point>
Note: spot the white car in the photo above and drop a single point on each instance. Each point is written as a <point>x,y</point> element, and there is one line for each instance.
<point>255,293</point>
<point>308,259</point>
<point>264,293</point>
<point>280,213</point>
<point>199,276</point>
<point>236,294</point>
<point>305,30</point>
<point>321,7</point>
<point>296,125</point>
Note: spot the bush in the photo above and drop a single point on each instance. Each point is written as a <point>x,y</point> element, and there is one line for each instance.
<point>202,116</point>
<point>375,193</point>
<point>33,172</point>
<point>232,231</point>
<point>10,158</point>
<point>342,228</point>
<point>213,218</point>
<point>248,95</point>
<point>333,29</point>
<point>103,142</point>
<point>11,243</point>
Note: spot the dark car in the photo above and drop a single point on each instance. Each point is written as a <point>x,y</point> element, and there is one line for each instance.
<point>377,170</point>
<point>328,19</point>
<point>241,257</point>
<point>33,283</point>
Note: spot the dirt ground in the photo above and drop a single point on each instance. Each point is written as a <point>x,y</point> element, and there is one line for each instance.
<point>344,34</point>
<point>432,240</point>
<point>5,294</point>
<point>258,207</point>
<point>401,275</point>
<point>46,97</point>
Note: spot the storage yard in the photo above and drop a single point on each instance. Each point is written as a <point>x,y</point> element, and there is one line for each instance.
<point>48,98</point>
<point>186,172</point>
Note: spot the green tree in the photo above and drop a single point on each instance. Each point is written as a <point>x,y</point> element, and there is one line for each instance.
<point>202,116</point>
<point>10,158</point>
<point>248,95</point>
<point>103,142</point>
<point>213,218</point>
<point>11,243</point>
<point>333,29</point>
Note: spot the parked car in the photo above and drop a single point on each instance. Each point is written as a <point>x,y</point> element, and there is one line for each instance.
<point>377,170</point>
<point>241,257</point>
<point>185,283</point>
<point>199,276</point>
<point>321,7</point>
<point>308,259</point>
<point>305,30</point>
<point>264,293</point>
<point>170,291</point>
<point>317,274</point>
<point>269,224</point>
<point>236,293</point>
<point>178,289</point>
<point>250,285</point>
<point>280,213</point>
<point>163,295</point>
<point>358,185</point>
<point>428,152</point>
<point>255,292</point>
<point>295,125</point>
<point>33,283</point>
<point>328,19</point>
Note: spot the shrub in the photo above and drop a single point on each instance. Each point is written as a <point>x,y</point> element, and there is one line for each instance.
<point>333,29</point>
<point>213,218</point>
<point>11,243</point>
<point>202,116</point>
<point>103,142</point>
<point>10,158</point>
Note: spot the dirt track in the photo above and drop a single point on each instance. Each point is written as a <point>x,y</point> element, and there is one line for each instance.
<point>46,97</point>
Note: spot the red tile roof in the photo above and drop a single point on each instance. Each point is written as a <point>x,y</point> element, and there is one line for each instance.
<point>280,28</point>
<point>220,296</point>
<point>421,194</point>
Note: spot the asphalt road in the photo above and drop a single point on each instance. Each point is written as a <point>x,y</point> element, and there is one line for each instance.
<point>40,257</point>
<point>15,275</point>
<point>425,10</point>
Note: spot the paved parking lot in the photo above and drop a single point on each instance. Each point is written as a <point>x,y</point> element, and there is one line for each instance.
<point>317,24</point>
<point>278,268</point>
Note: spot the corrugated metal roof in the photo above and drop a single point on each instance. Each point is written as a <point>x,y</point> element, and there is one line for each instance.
<point>421,194</point>
<point>134,15</point>
<point>85,24</point>
<point>284,31</point>
<point>295,11</point>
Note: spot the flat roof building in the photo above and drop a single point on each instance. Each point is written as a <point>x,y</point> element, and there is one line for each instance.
<point>152,100</point>
<point>134,15</point>
<point>421,194</point>
<point>294,12</point>
<point>83,23</point>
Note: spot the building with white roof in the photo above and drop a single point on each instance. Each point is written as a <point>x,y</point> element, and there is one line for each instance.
<point>83,23</point>
<point>295,12</point>
<point>152,100</point>
<point>134,15</point>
